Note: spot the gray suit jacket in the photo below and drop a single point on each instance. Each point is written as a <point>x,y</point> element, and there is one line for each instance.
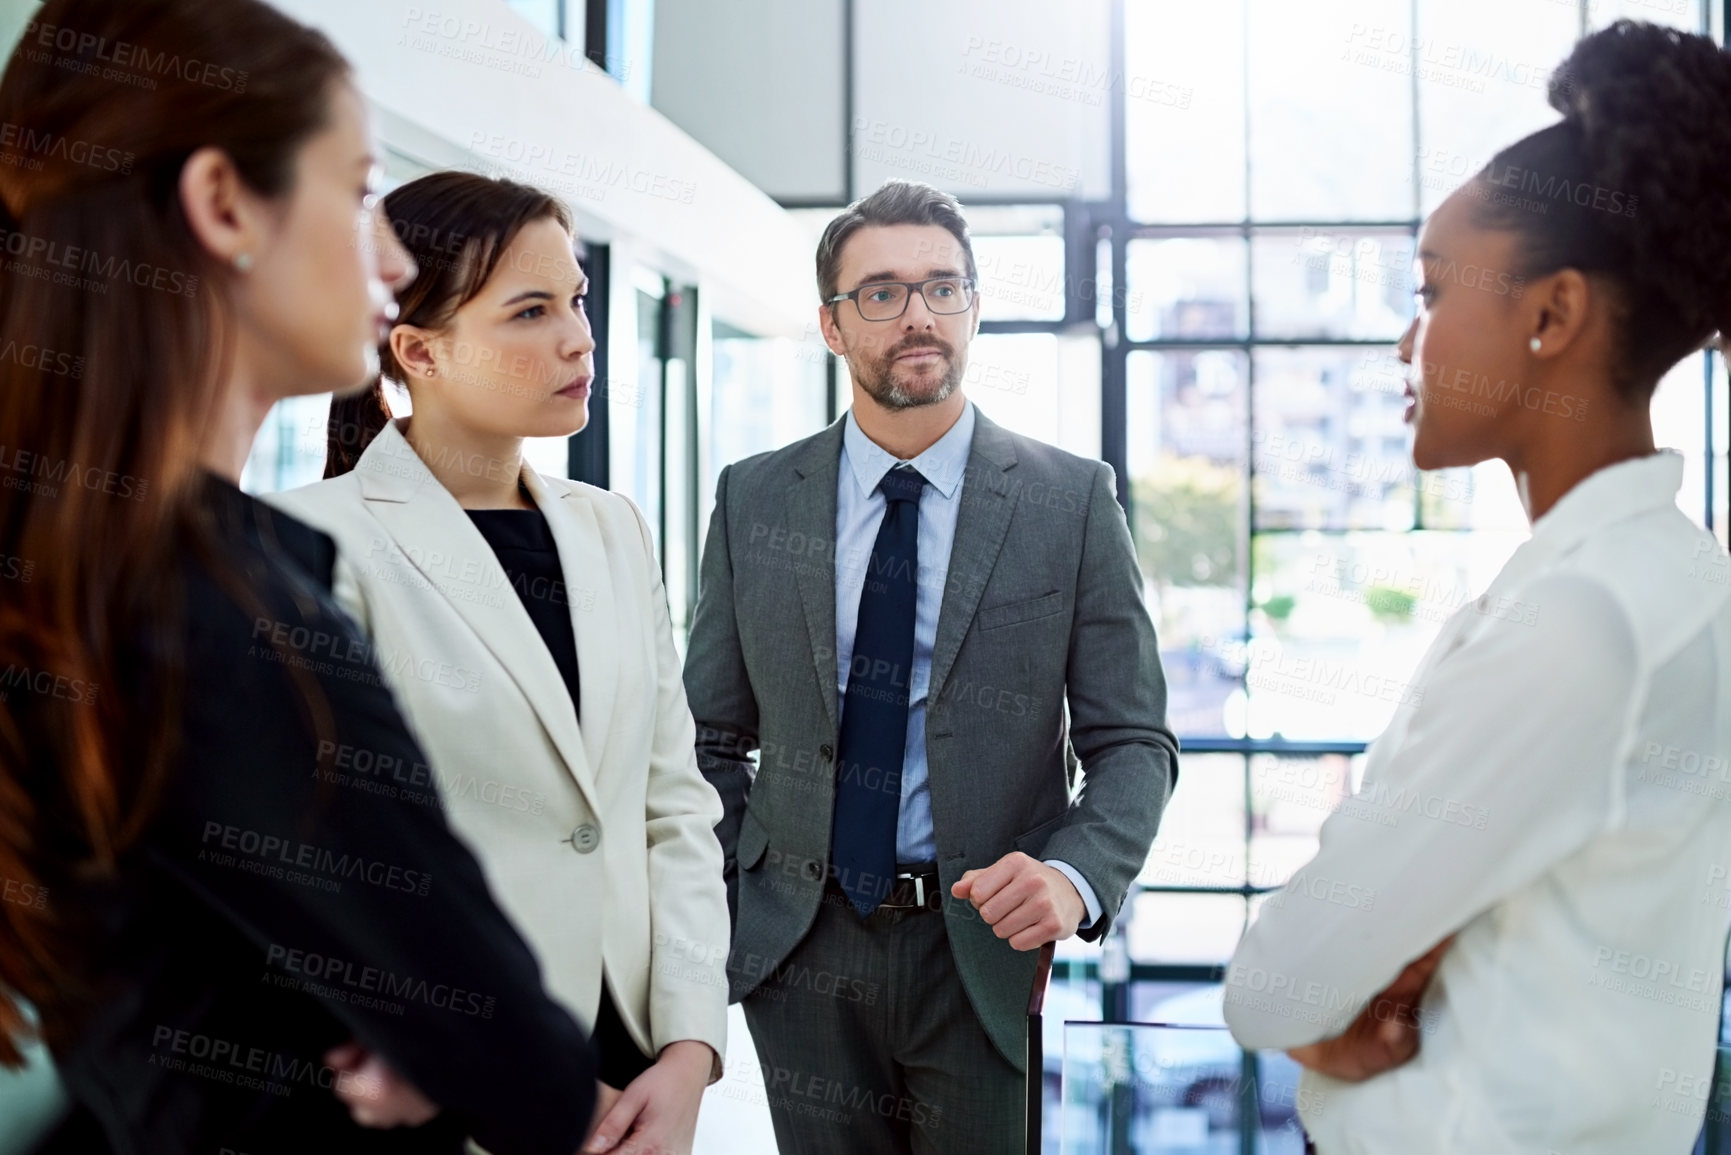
<point>1043,605</point>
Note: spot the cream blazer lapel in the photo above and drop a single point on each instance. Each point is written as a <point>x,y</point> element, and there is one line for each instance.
<point>432,531</point>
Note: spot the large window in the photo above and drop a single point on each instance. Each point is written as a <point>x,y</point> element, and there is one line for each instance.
<point>1034,368</point>
<point>1295,563</point>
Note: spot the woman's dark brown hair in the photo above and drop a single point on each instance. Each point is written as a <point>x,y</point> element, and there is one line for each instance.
<point>114,347</point>
<point>457,226</point>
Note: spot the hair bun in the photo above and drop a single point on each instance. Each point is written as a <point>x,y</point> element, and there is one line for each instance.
<point>1652,109</point>
<point>1633,75</point>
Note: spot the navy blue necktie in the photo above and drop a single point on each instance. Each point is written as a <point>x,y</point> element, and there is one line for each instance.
<point>874,720</point>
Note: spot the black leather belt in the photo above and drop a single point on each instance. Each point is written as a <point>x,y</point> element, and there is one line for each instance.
<point>916,888</point>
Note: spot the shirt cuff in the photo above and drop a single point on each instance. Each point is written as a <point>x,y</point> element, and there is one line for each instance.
<point>1082,888</point>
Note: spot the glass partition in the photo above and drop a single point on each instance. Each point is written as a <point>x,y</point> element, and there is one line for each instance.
<point>1171,1089</point>
<point>635,432</point>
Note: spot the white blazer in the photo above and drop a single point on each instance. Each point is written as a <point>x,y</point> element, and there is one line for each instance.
<point>597,840</point>
<point>1558,796</point>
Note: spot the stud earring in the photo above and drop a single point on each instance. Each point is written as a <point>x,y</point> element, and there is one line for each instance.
<point>242,262</point>
<point>1535,344</point>
<point>429,370</point>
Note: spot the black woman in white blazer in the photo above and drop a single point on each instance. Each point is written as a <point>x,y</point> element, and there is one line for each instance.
<point>1512,937</point>
<point>496,600</point>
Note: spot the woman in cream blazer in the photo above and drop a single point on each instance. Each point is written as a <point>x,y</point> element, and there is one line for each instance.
<point>593,824</point>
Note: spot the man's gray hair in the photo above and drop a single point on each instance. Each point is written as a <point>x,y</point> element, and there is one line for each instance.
<point>898,202</point>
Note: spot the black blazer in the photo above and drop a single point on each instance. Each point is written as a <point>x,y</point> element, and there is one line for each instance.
<point>280,904</point>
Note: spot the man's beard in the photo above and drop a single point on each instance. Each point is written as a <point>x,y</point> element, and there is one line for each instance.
<point>878,379</point>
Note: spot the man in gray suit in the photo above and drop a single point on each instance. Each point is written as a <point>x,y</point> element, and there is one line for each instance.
<point>894,613</point>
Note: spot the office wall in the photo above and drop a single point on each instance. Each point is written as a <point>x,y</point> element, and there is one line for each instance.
<point>984,98</point>
<point>990,99</point>
<point>761,83</point>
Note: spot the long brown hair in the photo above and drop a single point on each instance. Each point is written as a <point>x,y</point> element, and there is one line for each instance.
<point>114,346</point>
<point>457,226</point>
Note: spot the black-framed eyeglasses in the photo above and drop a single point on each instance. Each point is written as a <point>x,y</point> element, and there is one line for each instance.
<point>887,300</point>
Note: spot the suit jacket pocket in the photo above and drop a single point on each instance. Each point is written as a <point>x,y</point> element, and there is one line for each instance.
<point>753,841</point>
<point>1034,841</point>
<point>1009,614</point>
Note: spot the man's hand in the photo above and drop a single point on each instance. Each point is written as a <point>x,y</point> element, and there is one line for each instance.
<point>1024,900</point>
<point>657,1113</point>
<point>1385,1034</point>
<point>376,1095</point>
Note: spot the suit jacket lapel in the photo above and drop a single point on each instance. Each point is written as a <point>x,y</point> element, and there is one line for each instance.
<point>811,511</point>
<point>987,501</point>
<point>426,523</point>
<point>594,618</point>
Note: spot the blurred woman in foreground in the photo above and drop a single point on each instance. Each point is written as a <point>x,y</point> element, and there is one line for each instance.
<point>228,925</point>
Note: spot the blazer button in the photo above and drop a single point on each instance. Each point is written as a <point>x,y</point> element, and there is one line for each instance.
<point>585,838</point>
<point>814,870</point>
<point>827,751</point>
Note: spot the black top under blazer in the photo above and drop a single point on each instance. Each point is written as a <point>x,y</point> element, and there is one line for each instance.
<point>295,891</point>
<point>524,545</point>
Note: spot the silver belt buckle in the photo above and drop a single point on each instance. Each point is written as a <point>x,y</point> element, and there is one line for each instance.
<point>919,881</point>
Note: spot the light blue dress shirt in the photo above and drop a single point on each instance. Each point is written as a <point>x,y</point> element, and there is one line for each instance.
<point>859,511</point>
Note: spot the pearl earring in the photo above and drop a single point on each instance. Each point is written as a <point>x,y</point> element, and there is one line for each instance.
<point>242,262</point>
<point>429,370</point>
<point>1534,344</point>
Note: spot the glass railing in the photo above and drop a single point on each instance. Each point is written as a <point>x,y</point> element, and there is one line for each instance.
<point>1189,1089</point>
<point>1160,1089</point>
